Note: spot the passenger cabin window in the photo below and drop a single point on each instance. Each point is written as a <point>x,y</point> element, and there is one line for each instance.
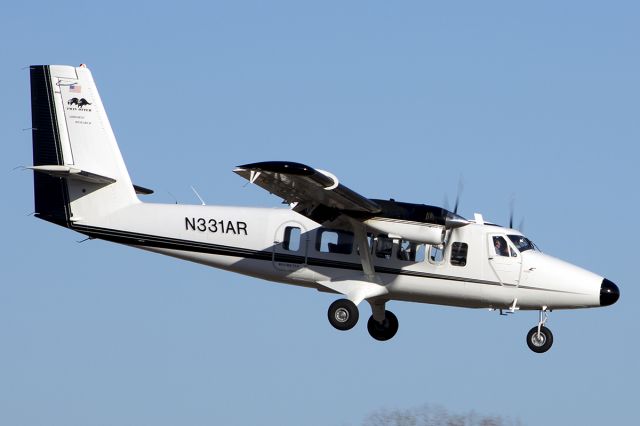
<point>410,251</point>
<point>369,243</point>
<point>459,254</point>
<point>291,240</point>
<point>384,247</point>
<point>501,247</point>
<point>436,254</point>
<point>334,241</point>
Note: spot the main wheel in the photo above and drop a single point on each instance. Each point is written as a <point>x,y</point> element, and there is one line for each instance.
<point>343,314</point>
<point>539,343</point>
<point>385,330</point>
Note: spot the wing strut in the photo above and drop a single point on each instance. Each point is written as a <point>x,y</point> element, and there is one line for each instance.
<point>362,287</point>
<point>360,233</point>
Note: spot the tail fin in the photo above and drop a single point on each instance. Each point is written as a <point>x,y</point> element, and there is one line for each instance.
<point>80,174</point>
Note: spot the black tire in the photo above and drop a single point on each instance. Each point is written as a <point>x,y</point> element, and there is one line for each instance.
<point>386,330</point>
<point>539,344</point>
<point>343,314</point>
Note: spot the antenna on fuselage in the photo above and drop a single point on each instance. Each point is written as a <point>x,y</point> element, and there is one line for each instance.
<point>173,196</point>
<point>198,195</point>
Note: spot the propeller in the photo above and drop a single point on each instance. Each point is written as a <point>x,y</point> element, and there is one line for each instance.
<point>512,207</point>
<point>512,204</point>
<point>458,194</point>
<point>454,221</point>
<point>460,188</point>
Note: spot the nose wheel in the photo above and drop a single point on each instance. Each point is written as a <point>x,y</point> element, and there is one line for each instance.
<point>539,341</point>
<point>540,338</point>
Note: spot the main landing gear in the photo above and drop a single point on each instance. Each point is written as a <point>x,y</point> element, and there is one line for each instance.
<point>382,325</point>
<point>384,330</point>
<point>540,338</point>
<point>343,314</point>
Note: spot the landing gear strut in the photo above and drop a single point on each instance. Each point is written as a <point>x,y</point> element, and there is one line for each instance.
<point>343,314</point>
<point>540,338</point>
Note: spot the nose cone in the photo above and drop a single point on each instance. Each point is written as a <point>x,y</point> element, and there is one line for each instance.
<point>609,293</point>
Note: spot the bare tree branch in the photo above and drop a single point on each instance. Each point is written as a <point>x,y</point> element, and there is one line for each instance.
<point>434,415</point>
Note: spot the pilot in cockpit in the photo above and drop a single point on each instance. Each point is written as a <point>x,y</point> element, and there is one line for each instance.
<point>501,246</point>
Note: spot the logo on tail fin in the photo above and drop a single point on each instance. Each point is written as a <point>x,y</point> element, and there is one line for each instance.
<point>82,102</point>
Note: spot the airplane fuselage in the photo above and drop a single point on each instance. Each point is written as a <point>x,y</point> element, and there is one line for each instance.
<point>251,241</point>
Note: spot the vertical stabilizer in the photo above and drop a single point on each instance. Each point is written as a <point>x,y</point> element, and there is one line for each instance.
<point>71,131</point>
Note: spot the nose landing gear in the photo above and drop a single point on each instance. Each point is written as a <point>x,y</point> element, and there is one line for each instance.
<point>540,338</point>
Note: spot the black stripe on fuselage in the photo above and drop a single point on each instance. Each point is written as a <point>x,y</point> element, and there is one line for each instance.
<point>154,241</point>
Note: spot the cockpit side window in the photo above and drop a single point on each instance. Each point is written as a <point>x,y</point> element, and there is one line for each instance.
<point>522,243</point>
<point>501,247</point>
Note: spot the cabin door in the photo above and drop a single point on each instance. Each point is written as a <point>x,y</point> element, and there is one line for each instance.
<point>290,247</point>
<point>504,260</point>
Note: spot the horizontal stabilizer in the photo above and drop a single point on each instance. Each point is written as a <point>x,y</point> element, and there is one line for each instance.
<point>141,190</point>
<point>82,175</point>
<point>73,173</point>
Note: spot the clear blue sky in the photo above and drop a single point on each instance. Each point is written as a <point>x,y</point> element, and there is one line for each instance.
<point>540,100</point>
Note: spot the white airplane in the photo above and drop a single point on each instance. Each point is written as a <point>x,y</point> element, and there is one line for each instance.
<point>331,239</point>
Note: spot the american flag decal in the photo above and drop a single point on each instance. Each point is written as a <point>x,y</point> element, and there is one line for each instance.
<point>75,88</point>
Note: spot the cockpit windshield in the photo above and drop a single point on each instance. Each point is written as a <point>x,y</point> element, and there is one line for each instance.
<point>522,243</point>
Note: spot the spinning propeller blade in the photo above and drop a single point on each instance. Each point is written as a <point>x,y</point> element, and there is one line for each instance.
<point>454,221</point>
<point>460,188</point>
<point>512,205</point>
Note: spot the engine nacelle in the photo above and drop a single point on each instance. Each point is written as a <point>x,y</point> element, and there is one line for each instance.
<point>417,232</point>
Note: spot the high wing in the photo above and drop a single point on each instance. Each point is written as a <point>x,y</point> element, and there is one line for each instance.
<point>319,196</point>
<point>315,193</point>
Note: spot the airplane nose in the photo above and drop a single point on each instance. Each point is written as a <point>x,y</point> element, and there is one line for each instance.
<point>609,293</point>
